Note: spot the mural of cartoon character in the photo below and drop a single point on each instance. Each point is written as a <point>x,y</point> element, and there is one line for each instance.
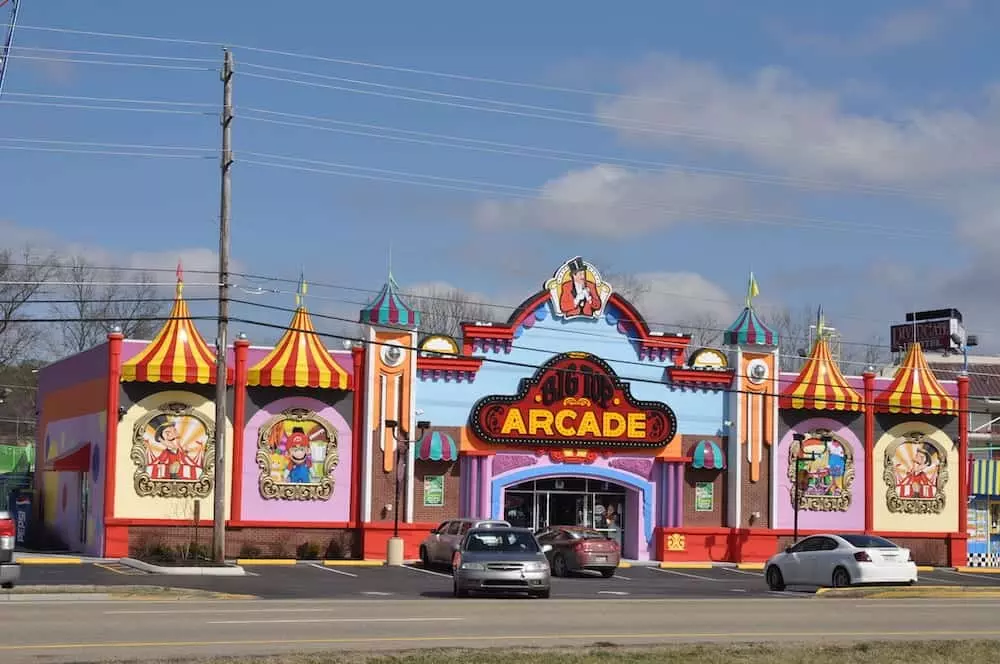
<point>297,454</point>
<point>299,457</point>
<point>826,468</point>
<point>174,461</point>
<point>579,296</point>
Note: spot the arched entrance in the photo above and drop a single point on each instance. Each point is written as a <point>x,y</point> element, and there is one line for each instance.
<point>568,501</point>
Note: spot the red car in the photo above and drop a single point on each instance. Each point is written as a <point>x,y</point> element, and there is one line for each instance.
<point>575,548</point>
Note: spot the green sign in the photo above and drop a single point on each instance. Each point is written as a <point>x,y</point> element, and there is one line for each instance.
<point>704,497</point>
<point>434,491</point>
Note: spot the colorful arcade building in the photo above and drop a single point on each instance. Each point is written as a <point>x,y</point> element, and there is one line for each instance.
<point>573,411</point>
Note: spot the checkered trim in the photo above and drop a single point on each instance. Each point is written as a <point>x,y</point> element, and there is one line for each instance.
<point>984,560</point>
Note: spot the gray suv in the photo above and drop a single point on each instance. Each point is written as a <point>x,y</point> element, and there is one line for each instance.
<point>442,543</point>
<point>10,571</point>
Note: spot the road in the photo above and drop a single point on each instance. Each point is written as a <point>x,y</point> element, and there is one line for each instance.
<point>319,582</point>
<point>94,630</point>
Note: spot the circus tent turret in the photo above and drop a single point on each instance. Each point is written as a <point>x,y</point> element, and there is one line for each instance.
<point>915,389</point>
<point>820,384</point>
<point>177,354</point>
<point>389,309</point>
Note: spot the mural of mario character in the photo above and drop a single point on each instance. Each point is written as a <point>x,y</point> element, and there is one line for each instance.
<point>299,457</point>
<point>173,463</point>
<point>578,296</point>
<point>918,482</point>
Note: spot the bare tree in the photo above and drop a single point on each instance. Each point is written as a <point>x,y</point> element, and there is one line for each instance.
<point>443,310</point>
<point>857,357</point>
<point>792,328</point>
<point>705,329</point>
<point>100,300</point>
<point>628,286</point>
<point>22,277</point>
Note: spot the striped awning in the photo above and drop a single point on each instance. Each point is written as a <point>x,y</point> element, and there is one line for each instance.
<point>708,455</point>
<point>437,446</point>
<point>749,330</point>
<point>177,354</point>
<point>388,308</point>
<point>299,359</point>
<point>820,385</point>
<point>985,478</point>
<point>915,389</point>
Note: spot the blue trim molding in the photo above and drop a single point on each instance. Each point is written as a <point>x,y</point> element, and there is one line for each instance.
<point>644,488</point>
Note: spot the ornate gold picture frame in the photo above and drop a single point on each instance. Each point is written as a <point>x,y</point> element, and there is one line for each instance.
<point>826,466</point>
<point>173,449</point>
<point>916,473</point>
<point>297,454</point>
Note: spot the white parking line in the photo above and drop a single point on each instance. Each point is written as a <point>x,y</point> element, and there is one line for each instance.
<point>624,578</point>
<point>974,576</point>
<point>427,571</point>
<point>332,571</point>
<point>331,620</point>
<point>740,571</point>
<point>611,592</point>
<point>690,576</point>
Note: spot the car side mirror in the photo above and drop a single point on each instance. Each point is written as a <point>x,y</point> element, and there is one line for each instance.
<point>788,549</point>
<point>546,548</point>
<point>434,531</point>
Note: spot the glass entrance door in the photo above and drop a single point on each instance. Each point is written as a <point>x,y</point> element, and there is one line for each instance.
<point>568,502</point>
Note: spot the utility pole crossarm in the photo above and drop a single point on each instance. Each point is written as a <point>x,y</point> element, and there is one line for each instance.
<point>221,342</point>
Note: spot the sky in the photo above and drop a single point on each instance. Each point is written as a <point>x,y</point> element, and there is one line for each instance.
<point>845,152</point>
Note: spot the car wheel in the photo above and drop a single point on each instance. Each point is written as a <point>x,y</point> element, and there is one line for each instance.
<point>545,594</point>
<point>559,565</point>
<point>841,579</point>
<point>425,560</point>
<point>7,586</point>
<point>775,580</point>
<point>608,573</point>
<point>459,592</point>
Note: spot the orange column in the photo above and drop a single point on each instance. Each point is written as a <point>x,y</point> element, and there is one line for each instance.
<point>869,378</point>
<point>117,547</point>
<point>240,347</point>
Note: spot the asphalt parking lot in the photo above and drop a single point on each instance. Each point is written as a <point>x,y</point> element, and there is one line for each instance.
<point>314,580</point>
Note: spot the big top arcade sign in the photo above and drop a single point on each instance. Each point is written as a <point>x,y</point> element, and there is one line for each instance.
<point>574,399</point>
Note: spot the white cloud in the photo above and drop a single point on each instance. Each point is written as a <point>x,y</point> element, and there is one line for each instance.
<point>779,122</point>
<point>612,201</point>
<point>683,297</point>
<point>889,32</point>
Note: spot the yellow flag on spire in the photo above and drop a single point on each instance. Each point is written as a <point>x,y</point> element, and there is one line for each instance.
<point>752,289</point>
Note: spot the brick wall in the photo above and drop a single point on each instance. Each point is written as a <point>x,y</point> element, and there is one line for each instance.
<point>249,542</point>
<point>756,495</point>
<point>692,476</point>
<point>452,488</point>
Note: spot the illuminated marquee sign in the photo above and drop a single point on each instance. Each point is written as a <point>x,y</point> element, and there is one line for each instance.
<point>574,399</point>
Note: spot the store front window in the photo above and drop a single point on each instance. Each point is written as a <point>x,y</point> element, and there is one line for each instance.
<point>567,501</point>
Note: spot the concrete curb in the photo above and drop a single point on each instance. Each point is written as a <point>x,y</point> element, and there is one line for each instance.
<point>289,562</point>
<point>183,571</point>
<point>55,592</point>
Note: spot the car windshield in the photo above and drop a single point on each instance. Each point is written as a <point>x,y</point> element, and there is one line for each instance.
<point>510,541</point>
<point>586,534</point>
<point>868,542</point>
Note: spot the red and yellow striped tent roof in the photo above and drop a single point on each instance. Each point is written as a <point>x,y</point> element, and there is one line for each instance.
<point>177,354</point>
<point>299,360</point>
<point>915,389</point>
<point>820,385</point>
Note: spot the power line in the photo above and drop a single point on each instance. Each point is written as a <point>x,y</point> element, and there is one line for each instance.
<point>94,107</point>
<point>152,102</point>
<point>111,63</point>
<point>171,58</point>
<point>439,182</point>
<point>46,141</point>
<point>536,152</point>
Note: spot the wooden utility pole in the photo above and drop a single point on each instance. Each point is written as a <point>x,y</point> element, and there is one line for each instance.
<point>221,343</point>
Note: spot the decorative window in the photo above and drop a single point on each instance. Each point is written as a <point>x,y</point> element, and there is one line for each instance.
<point>173,449</point>
<point>916,473</point>
<point>297,454</point>
<point>823,465</point>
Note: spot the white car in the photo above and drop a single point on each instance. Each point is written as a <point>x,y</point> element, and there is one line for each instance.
<point>839,561</point>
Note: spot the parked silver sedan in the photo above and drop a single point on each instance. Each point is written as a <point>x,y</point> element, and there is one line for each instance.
<point>501,560</point>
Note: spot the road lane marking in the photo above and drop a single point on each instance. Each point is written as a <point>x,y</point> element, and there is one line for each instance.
<point>974,576</point>
<point>333,571</point>
<point>611,592</point>
<point>427,571</point>
<point>332,620</point>
<point>154,612</point>
<point>375,593</point>
<point>562,636</point>
<point>685,574</point>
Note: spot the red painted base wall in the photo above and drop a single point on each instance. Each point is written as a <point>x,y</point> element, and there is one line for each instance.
<point>757,545</point>
<point>375,539</point>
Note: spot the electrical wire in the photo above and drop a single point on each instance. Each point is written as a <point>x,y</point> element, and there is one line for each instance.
<point>94,107</point>
<point>115,54</point>
<point>152,102</point>
<point>112,63</point>
<point>591,159</point>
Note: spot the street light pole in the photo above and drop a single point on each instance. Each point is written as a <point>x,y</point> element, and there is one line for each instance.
<point>394,554</point>
<point>798,438</point>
